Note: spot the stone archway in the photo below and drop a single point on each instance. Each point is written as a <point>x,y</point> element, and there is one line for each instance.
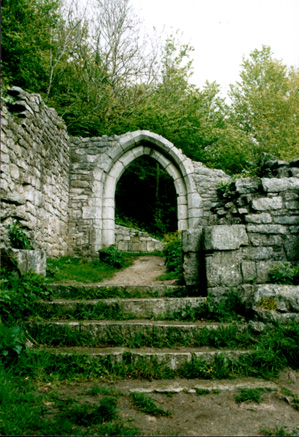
<point>130,147</point>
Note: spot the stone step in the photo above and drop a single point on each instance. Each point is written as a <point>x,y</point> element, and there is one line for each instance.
<point>193,385</point>
<point>173,358</point>
<point>120,333</point>
<point>146,308</point>
<point>98,291</point>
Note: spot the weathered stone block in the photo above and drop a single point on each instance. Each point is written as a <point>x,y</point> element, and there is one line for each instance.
<point>34,260</point>
<point>291,247</point>
<point>277,185</point>
<point>248,271</point>
<point>266,229</point>
<point>225,237</point>
<point>223,269</point>
<point>192,239</point>
<point>284,298</point>
<point>266,204</point>
<point>262,270</point>
<point>263,218</point>
<point>246,185</point>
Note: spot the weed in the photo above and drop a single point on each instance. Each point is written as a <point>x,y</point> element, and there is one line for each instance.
<point>90,292</point>
<point>19,295</point>
<point>295,403</point>
<point>147,405</point>
<point>249,395</point>
<point>98,311</point>
<point>112,256</point>
<point>286,392</point>
<point>278,431</point>
<point>284,273</point>
<point>18,238</point>
<point>219,369</point>
<point>224,189</point>
<point>230,309</point>
<point>87,415</point>
<point>267,303</point>
<point>202,391</point>
<point>12,342</point>
<point>174,255</point>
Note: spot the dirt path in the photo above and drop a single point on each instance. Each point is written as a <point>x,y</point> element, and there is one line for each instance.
<point>144,271</point>
<point>214,414</point>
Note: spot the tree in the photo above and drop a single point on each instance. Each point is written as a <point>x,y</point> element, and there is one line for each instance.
<point>26,41</point>
<point>265,106</point>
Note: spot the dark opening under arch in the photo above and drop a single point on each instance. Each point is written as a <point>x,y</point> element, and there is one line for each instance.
<point>146,198</point>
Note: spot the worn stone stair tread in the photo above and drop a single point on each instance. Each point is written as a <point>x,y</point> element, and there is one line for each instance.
<point>137,322</point>
<point>122,300</point>
<point>146,308</point>
<point>173,357</point>
<point>191,385</point>
<point>143,350</point>
<point>158,289</point>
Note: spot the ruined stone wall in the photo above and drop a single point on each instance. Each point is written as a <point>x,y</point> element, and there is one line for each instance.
<point>34,171</point>
<point>257,227</point>
<point>133,240</point>
<point>207,181</point>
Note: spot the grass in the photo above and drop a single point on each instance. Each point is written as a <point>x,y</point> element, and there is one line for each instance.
<point>26,411</point>
<point>48,334</point>
<point>147,405</point>
<point>99,311</point>
<point>89,292</point>
<point>250,395</point>
<point>279,431</point>
<point>81,270</point>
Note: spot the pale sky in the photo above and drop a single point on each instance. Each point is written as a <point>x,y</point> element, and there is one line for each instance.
<point>222,31</point>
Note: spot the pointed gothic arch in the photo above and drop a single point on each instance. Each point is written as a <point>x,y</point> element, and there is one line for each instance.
<point>117,159</point>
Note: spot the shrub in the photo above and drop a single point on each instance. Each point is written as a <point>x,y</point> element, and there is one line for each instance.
<point>18,295</point>
<point>112,256</point>
<point>12,342</point>
<point>174,254</point>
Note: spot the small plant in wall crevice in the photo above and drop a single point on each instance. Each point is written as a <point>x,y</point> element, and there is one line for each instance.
<point>18,238</point>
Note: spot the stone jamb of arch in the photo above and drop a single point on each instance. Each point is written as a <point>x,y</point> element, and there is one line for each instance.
<point>130,147</point>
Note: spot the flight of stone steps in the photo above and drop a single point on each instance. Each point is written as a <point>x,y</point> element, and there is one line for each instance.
<point>144,326</point>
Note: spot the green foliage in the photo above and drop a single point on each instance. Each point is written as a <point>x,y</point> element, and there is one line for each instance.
<point>99,311</point>
<point>87,415</point>
<point>228,310</point>
<point>81,270</point>
<point>174,255</point>
<point>28,411</point>
<point>249,395</point>
<point>202,391</point>
<point>19,294</point>
<point>278,431</point>
<point>265,106</point>
<point>284,273</point>
<point>18,238</point>
<point>147,405</point>
<point>93,292</point>
<point>112,256</point>
<point>12,342</point>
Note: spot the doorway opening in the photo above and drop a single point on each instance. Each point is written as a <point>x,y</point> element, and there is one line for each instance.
<point>146,198</point>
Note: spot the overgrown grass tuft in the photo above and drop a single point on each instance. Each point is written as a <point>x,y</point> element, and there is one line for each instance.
<point>147,405</point>
<point>250,395</point>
